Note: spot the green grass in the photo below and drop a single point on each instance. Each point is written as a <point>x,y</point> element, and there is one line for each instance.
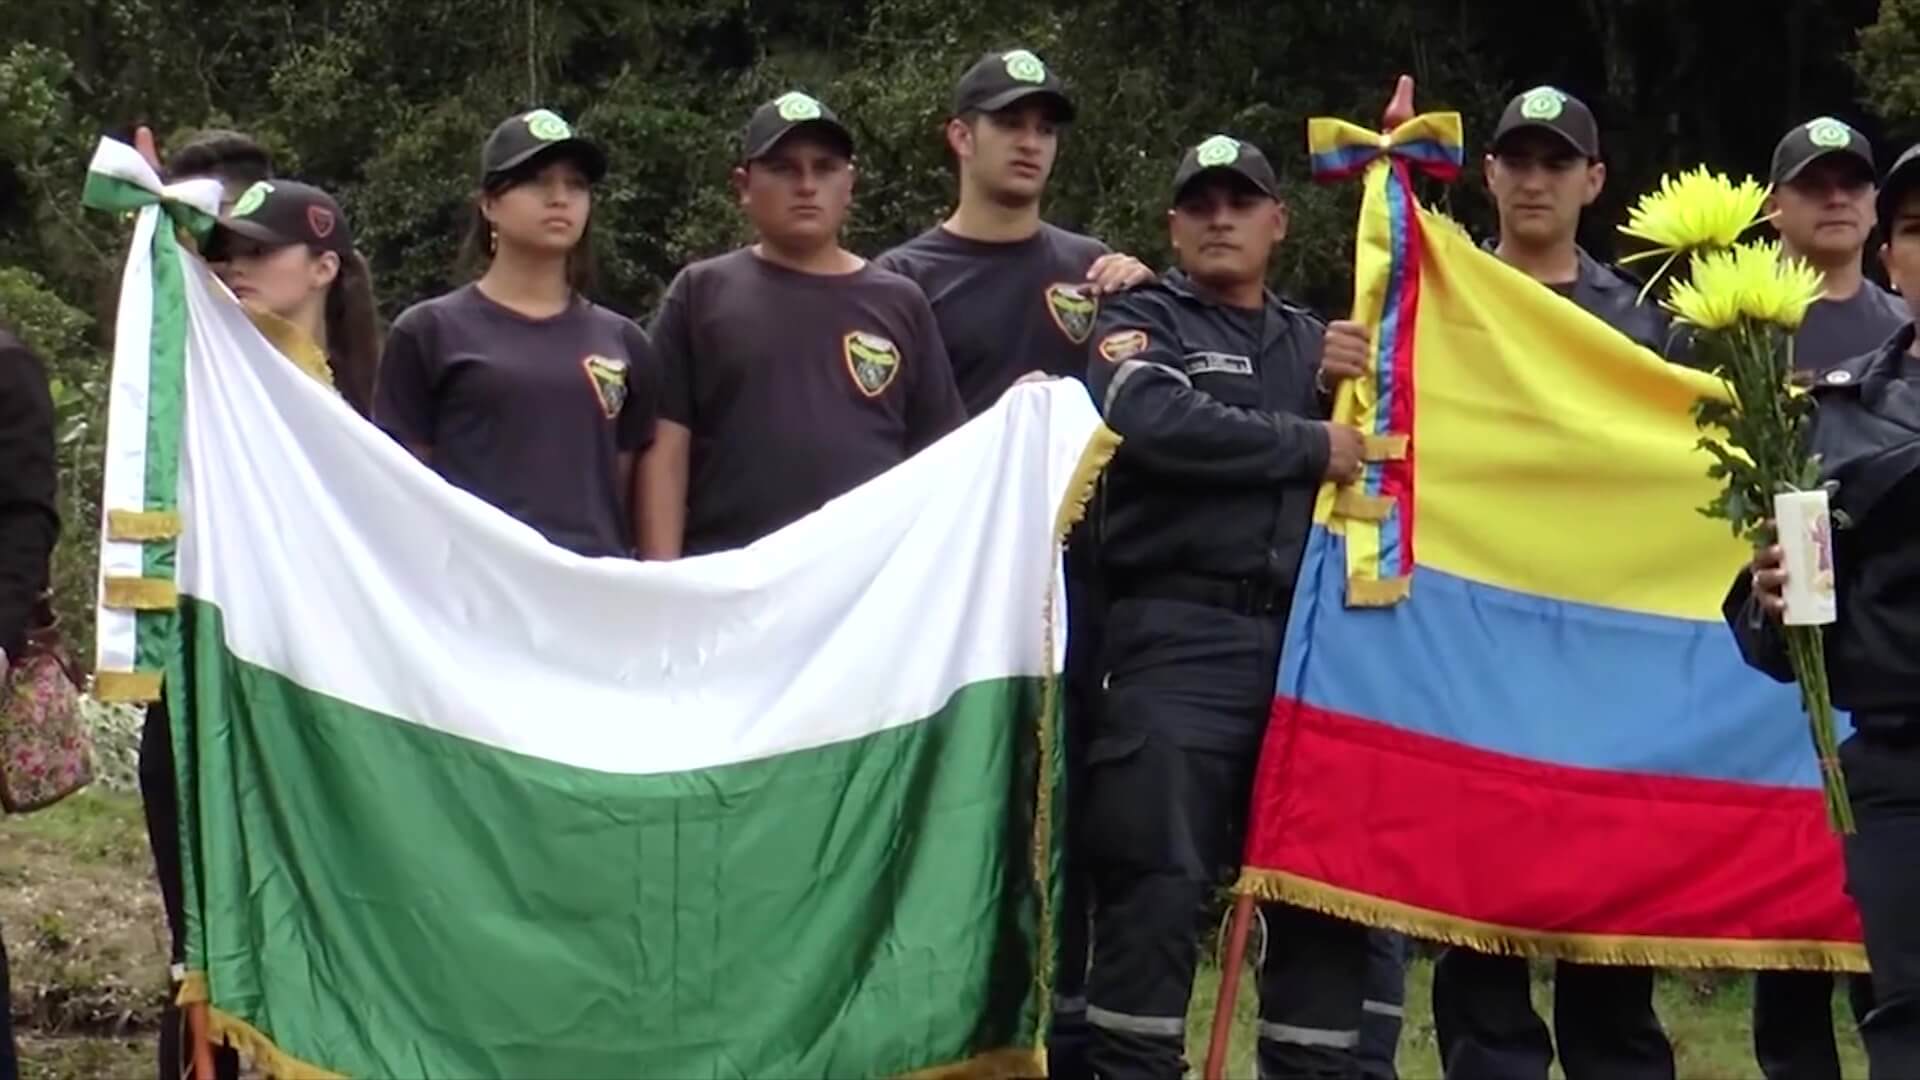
<point>86,938</point>
<point>1708,1015</point>
<point>87,941</point>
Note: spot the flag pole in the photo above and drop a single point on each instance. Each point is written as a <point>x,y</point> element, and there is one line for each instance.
<point>201,1052</point>
<point>1229,986</point>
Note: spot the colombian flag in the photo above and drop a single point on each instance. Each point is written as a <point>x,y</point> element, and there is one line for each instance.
<point>1508,714</point>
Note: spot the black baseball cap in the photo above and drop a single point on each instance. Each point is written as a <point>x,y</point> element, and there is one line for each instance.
<point>1000,80</point>
<point>1549,108</point>
<point>783,116</point>
<point>1815,139</point>
<point>1224,153</point>
<point>1900,179</point>
<point>528,136</point>
<point>281,213</point>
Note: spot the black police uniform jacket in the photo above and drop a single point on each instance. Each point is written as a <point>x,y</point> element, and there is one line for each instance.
<point>1222,453</point>
<point>1867,432</point>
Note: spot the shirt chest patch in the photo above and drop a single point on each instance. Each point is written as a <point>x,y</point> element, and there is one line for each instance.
<point>1073,309</point>
<point>1216,363</point>
<point>608,378</point>
<point>872,360</point>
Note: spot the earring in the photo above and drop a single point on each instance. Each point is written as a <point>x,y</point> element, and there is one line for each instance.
<point>493,239</point>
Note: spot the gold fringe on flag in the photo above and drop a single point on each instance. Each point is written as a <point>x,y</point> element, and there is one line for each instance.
<point>1356,506</point>
<point>136,526</point>
<point>139,594</point>
<point>124,687</point>
<point>1615,949</point>
<point>260,1049</point>
<point>1009,1064</point>
<point>1094,460</point>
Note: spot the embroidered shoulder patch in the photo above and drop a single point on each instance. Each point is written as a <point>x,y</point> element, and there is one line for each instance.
<point>1121,344</point>
<point>609,380</point>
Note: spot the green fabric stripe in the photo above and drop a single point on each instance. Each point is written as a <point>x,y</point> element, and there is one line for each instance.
<point>383,899</point>
<point>157,645</point>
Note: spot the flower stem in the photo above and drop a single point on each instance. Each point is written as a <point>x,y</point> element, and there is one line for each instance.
<point>1806,648</point>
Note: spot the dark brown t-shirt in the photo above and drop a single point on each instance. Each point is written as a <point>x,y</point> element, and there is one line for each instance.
<point>797,388</point>
<point>528,414</point>
<point>1005,308</point>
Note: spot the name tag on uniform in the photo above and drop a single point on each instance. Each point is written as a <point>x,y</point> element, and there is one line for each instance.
<point>1216,363</point>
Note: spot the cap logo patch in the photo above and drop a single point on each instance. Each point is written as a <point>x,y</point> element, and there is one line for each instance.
<point>1840,377</point>
<point>1219,150</point>
<point>1025,66</point>
<point>1829,133</point>
<point>608,378</point>
<point>320,221</point>
<point>795,106</point>
<point>1072,310</point>
<point>872,360</point>
<point>1543,103</point>
<point>546,125</point>
<point>1121,344</point>
<point>252,199</point>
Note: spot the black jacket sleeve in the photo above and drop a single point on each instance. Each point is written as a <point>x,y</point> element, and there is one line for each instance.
<point>1761,644</point>
<point>29,520</point>
<point>1136,376</point>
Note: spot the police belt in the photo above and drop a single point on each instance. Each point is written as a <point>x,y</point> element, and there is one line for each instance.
<point>1244,596</point>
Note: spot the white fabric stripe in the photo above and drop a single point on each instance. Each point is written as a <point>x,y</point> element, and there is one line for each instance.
<point>1383,1008</point>
<point>1073,1005</point>
<point>1306,1036</point>
<point>123,162</point>
<point>1173,1026</point>
<point>344,564</point>
<point>124,485</point>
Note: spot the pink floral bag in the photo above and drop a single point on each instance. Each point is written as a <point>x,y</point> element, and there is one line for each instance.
<point>46,753</point>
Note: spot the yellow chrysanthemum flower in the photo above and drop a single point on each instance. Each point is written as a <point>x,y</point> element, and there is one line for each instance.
<point>1747,281</point>
<point>1695,211</point>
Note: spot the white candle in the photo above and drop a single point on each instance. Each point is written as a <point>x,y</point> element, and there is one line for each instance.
<point>1806,540</point>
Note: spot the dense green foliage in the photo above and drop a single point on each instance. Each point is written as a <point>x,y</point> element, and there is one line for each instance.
<point>385,103</point>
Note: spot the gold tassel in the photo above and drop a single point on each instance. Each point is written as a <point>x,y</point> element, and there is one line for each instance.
<point>1378,592</point>
<point>1357,506</point>
<point>140,594</point>
<point>118,687</point>
<point>1384,448</point>
<point>137,526</point>
<point>1615,949</point>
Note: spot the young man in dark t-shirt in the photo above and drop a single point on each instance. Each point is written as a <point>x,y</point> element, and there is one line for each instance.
<point>1016,296</point>
<point>1823,192</point>
<point>1013,294</point>
<point>792,370</point>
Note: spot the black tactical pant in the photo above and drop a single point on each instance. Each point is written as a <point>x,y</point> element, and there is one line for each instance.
<point>1603,1017</point>
<point>1169,775</point>
<point>1384,1009</point>
<point>1793,1022</point>
<point>1883,876</point>
<point>1068,1039</point>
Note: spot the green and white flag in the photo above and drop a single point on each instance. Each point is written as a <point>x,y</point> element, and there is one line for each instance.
<point>458,803</point>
